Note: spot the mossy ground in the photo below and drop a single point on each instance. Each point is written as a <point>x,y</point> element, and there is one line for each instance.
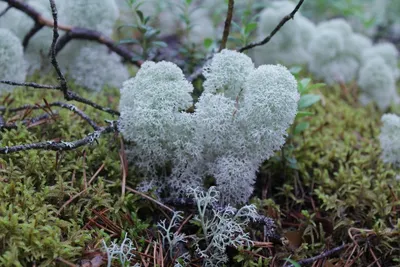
<point>337,191</point>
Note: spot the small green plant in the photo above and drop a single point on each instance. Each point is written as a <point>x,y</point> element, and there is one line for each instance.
<point>147,35</point>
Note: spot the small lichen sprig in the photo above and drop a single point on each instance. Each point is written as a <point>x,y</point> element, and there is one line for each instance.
<point>171,239</point>
<point>220,227</point>
<point>389,139</point>
<point>122,252</point>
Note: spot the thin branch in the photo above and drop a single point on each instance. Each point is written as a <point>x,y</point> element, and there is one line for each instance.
<point>61,78</point>
<point>277,28</point>
<point>70,107</point>
<point>30,84</point>
<point>91,35</point>
<point>227,26</point>
<point>37,27</point>
<point>322,255</point>
<point>76,97</point>
<point>63,87</point>
<point>2,13</point>
<point>74,32</point>
<point>62,145</point>
<point>145,196</point>
<point>27,122</point>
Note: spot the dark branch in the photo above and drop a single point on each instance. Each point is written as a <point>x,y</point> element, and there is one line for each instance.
<point>227,26</point>
<point>4,11</point>
<point>70,107</point>
<point>33,85</point>
<point>277,28</point>
<point>76,97</point>
<point>77,33</point>
<point>85,34</point>
<point>63,87</point>
<point>61,145</point>
<point>321,256</point>
<point>70,95</point>
<point>61,78</point>
<point>27,122</point>
<point>37,27</point>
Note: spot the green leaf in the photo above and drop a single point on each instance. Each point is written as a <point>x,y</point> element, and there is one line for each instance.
<point>294,263</point>
<point>308,100</point>
<point>301,127</point>
<point>159,44</point>
<point>127,26</point>
<point>301,114</point>
<point>314,86</point>
<point>303,85</point>
<point>150,33</point>
<point>128,41</point>
<point>295,70</point>
<point>207,43</point>
<point>250,27</point>
<point>140,15</point>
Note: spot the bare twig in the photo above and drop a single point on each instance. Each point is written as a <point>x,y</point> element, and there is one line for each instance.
<point>70,107</point>
<point>322,255</point>
<point>145,196</point>
<point>227,26</point>
<point>37,27</point>
<point>91,35</point>
<point>74,96</point>
<point>60,146</point>
<point>61,78</point>
<point>277,28</point>
<point>5,11</point>
<point>73,32</point>
<point>63,87</point>
<point>30,84</point>
<point>27,122</point>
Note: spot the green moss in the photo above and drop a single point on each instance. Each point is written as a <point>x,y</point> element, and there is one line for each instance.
<point>340,182</point>
<point>38,221</point>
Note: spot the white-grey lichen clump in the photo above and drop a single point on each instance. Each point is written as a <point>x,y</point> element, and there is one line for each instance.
<point>377,83</point>
<point>239,121</point>
<point>12,63</point>
<point>290,43</point>
<point>95,67</point>
<point>90,14</point>
<point>388,52</point>
<point>378,75</point>
<point>89,64</point>
<point>336,52</point>
<point>36,53</point>
<point>389,138</point>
